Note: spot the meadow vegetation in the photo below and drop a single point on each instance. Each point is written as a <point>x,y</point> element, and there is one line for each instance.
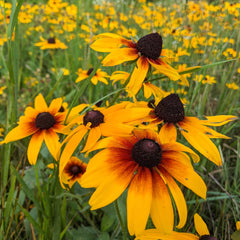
<point>49,63</point>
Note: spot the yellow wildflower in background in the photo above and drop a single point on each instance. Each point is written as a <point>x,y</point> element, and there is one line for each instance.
<point>98,76</point>
<point>51,43</point>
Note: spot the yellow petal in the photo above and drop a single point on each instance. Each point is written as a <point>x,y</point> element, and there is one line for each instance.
<point>40,103</point>
<point>138,76</point>
<point>139,201</point>
<point>161,209</point>
<point>70,147</point>
<point>113,185</point>
<point>119,56</point>
<point>55,106</point>
<point>166,70</point>
<point>200,225</point>
<point>187,176</point>
<point>21,131</point>
<point>93,136</point>
<point>218,120</point>
<point>178,198</point>
<point>168,133</point>
<point>34,147</point>
<point>201,142</point>
<point>178,147</point>
<point>52,141</point>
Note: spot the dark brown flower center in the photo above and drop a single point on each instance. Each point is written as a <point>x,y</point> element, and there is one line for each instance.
<point>44,120</point>
<point>207,237</point>
<point>75,170</point>
<point>89,71</point>
<point>147,153</point>
<point>170,109</point>
<point>95,117</point>
<point>51,40</point>
<point>150,46</point>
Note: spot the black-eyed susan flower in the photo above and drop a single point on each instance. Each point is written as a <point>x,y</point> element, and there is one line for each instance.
<point>96,122</point>
<point>43,123</point>
<point>147,50</point>
<point>170,112</point>
<point>156,234</point>
<point>51,43</point>
<point>148,166</point>
<point>98,76</point>
<point>73,171</point>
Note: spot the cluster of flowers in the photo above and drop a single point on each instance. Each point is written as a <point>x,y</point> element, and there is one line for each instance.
<point>134,143</point>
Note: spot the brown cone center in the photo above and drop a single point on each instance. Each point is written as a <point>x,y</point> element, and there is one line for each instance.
<point>44,120</point>
<point>147,153</point>
<point>51,40</point>
<point>150,46</point>
<point>170,109</point>
<point>95,117</point>
<point>207,237</point>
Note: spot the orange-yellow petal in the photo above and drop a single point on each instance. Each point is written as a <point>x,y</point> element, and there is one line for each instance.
<point>55,106</point>
<point>119,56</point>
<point>34,147</point>
<point>40,103</point>
<point>52,141</point>
<point>200,225</point>
<point>138,76</point>
<point>218,120</point>
<point>21,131</point>
<point>139,200</point>
<point>201,142</point>
<point>188,177</point>
<point>93,136</point>
<point>178,198</point>
<point>161,208</point>
<point>168,133</point>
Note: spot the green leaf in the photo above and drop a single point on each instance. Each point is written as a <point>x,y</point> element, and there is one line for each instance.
<point>108,218</point>
<point>104,236</point>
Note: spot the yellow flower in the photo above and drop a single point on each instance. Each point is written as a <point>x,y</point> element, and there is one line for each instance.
<point>232,86</point>
<point>147,164</point>
<point>51,43</point>
<point>99,76</point>
<point>73,171</point>
<point>170,112</point>
<point>147,51</point>
<point>43,123</point>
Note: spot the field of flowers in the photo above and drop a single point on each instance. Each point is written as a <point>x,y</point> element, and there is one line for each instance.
<point>120,120</point>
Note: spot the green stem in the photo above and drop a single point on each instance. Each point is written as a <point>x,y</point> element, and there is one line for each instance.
<point>120,220</point>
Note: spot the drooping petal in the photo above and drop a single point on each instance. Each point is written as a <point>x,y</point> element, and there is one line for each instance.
<point>21,131</point>
<point>70,147</point>
<point>93,136</point>
<point>161,209</point>
<point>34,147</point>
<point>165,69</point>
<point>187,176</point>
<point>138,76</point>
<point>201,142</point>
<point>40,103</point>
<point>218,120</point>
<point>119,56</point>
<point>168,133</point>
<point>52,141</point>
<point>139,200</point>
<point>178,198</point>
<point>200,225</point>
